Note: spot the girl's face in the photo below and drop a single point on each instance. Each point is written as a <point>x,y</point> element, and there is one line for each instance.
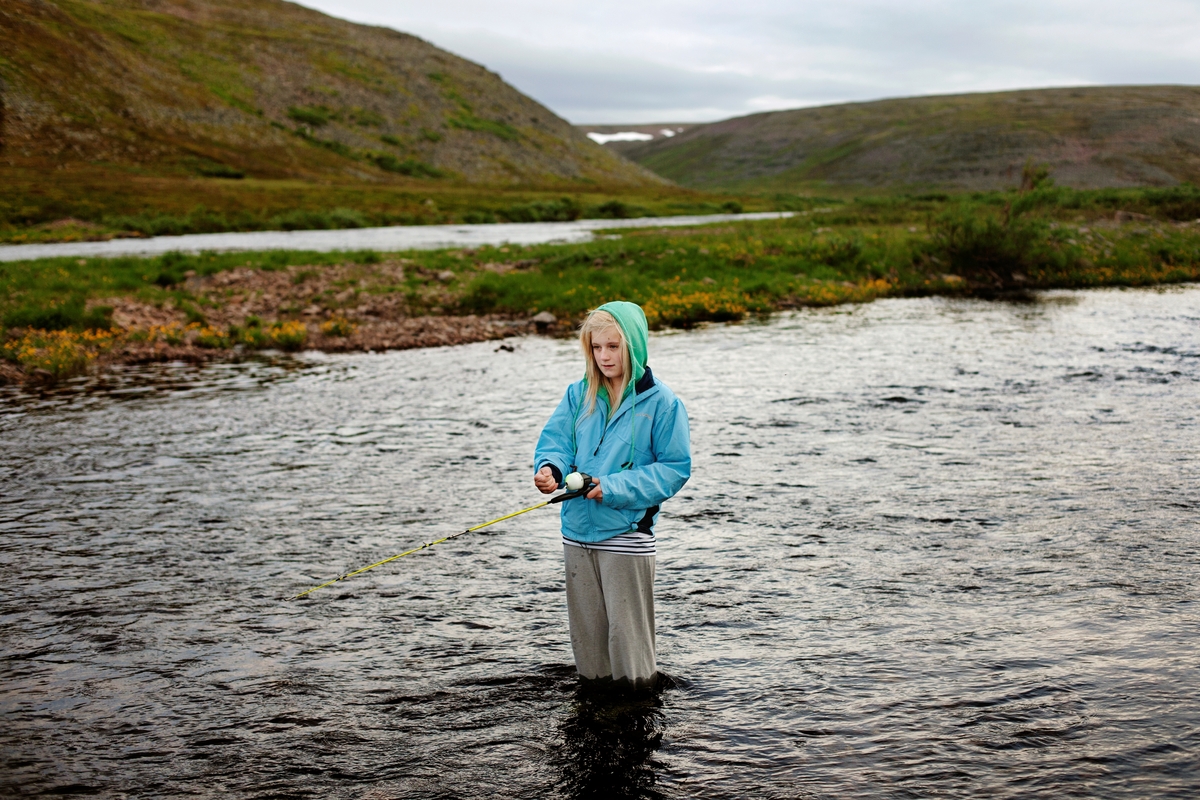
<point>606,349</point>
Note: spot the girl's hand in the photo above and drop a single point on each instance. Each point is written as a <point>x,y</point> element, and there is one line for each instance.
<point>596,493</point>
<point>544,481</point>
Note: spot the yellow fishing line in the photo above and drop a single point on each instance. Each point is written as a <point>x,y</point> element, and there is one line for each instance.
<point>422,547</point>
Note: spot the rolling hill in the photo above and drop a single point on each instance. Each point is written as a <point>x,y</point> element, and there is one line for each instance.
<point>269,90</point>
<point>1089,137</point>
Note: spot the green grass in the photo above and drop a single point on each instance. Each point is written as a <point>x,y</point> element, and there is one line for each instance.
<point>39,206</point>
<point>1088,136</point>
<point>315,116</point>
<point>408,166</point>
<point>829,253</point>
<point>52,294</point>
<point>57,322</point>
<point>465,120</point>
<point>265,91</point>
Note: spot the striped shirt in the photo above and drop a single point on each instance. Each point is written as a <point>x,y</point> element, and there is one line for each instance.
<point>633,543</point>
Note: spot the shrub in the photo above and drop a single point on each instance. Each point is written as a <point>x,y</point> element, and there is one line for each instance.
<point>989,251</point>
<point>347,218</point>
<point>172,333</point>
<point>290,335</point>
<point>837,251</point>
<point>57,353</point>
<point>214,170</point>
<point>467,121</point>
<point>213,338</point>
<point>830,293</point>
<point>560,210</point>
<point>387,138</point>
<point>249,334</point>
<point>479,217</point>
<point>1035,176</point>
<point>1176,202</point>
<point>365,117</point>
<point>98,318</point>
<point>70,314</point>
<point>681,309</point>
<point>310,115</point>
<point>302,220</point>
<point>51,318</point>
<point>731,207</point>
<point>329,144</point>
<point>171,268</point>
<point>615,209</point>
<point>409,166</point>
<point>338,326</point>
<point>199,220</point>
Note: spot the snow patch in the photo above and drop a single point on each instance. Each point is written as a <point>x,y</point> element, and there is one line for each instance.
<point>623,136</point>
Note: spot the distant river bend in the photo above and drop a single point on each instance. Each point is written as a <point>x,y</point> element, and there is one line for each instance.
<point>406,237</point>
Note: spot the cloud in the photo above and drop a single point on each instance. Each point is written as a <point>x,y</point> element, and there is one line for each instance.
<point>676,61</point>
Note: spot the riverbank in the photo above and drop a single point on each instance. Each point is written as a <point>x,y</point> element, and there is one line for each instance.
<point>395,238</point>
<point>81,205</point>
<point>67,315</point>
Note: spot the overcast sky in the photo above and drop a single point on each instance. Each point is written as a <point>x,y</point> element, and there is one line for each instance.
<point>704,60</point>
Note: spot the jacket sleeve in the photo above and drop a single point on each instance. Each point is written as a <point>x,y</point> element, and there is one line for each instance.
<point>648,486</point>
<point>555,446</point>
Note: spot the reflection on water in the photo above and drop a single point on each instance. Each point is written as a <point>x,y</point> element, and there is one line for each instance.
<point>606,744</point>
<point>172,380</point>
<point>931,548</point>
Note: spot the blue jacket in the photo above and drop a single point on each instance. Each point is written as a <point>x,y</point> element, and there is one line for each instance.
<point>651,424</point>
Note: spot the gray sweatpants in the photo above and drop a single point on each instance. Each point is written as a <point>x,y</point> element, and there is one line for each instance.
<point>610,605</point>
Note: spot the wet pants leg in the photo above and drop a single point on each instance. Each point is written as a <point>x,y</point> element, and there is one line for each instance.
<point>610,606</point>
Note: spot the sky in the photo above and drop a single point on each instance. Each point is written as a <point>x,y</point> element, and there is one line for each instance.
<point>702,60</point>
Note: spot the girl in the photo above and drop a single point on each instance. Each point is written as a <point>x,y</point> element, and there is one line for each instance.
<point>625,428</point>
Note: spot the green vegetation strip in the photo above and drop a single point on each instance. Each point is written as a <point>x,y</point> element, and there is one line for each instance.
<point>46,207</point>
<point>991,245</point>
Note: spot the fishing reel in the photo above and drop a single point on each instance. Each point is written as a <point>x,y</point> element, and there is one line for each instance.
<point>578,484</point>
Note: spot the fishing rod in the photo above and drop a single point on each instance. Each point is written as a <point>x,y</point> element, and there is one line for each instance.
<point>578,484</point>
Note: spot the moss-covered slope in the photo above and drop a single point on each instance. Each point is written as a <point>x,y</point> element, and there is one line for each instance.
<point>266,89</point>
<point>1095,137</point>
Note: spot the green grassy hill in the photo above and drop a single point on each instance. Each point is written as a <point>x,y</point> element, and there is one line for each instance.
<point>245,107</point>
<point>1090,138</point>
<point>268,89</point>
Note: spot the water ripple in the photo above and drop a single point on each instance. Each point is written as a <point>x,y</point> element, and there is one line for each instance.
<point>931,548</point>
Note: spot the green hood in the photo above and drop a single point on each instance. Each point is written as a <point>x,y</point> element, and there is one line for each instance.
<point>632,320</point>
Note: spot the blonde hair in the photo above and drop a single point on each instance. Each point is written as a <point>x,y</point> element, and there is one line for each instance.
<point>596,322</point>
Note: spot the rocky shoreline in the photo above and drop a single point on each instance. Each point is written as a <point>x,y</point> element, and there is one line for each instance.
<point>67,317</point>
<point>335,309</point>
<point>375,336</point>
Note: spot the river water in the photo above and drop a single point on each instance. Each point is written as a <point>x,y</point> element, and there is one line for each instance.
<point>392,238</point>
<point>931,548</point>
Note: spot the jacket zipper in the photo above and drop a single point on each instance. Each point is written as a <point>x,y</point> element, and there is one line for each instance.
<point>607,425</point>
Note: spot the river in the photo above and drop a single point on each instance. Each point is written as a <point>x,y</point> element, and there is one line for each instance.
<point>398,237</point>
<point>932,548</point>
